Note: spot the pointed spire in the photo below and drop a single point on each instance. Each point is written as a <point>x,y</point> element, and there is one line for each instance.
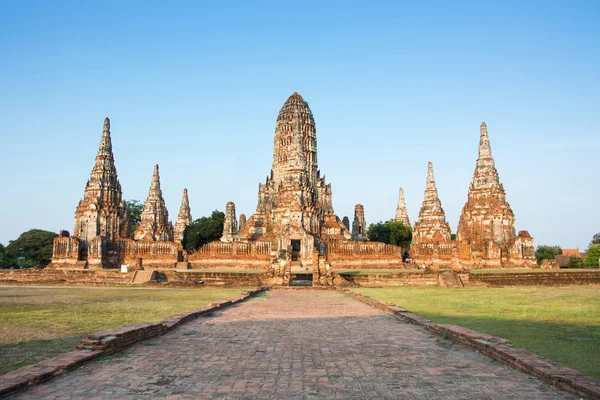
<point>485,150</point>
<point>105,148</point>
<point>154,220</point>
<point>430,177</point>
<point>155,179</point>
<point>184,218</point>
<point>401,212</point>
<point>101,212</point>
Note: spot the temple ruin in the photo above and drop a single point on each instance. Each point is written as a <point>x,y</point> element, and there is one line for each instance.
<point>184,218</point>
<point>431,233</point>
<point>486,229</point>
<point>401,212</point>
<point>294,229</point>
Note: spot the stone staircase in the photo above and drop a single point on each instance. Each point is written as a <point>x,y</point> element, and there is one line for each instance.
<point>144,276</point>
<point>450,280</point>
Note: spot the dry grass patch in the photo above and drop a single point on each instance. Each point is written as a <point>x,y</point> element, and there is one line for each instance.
<point>37,323</point>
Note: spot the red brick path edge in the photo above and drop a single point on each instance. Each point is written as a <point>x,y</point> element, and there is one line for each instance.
<point>106,343</point>
<point>500,349</point>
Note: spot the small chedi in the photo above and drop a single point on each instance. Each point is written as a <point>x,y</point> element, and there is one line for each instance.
<point>184,218</point>
<point>431,241</point>
<point>486,229</point>
<point>154,221</point>
<point>401,212</point>
<point>359,225</point>
<point>242,221</point>
<point>230,227</point>
<point>346,222</point>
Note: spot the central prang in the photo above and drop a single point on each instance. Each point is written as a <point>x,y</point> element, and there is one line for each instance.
<point>295,210</point>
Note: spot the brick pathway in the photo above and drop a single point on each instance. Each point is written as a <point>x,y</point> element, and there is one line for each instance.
<point>303,344</point>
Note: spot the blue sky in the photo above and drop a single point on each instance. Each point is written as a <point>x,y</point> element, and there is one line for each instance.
<point>196,87</point>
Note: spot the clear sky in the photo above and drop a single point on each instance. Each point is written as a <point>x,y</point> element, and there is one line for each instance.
<point>196,87</point>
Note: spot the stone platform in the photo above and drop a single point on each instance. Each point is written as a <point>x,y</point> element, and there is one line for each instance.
<point>297,344</point>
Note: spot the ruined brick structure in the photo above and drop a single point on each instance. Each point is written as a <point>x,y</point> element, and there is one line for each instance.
<point>486,229</point>
<point>294,208</point>
<point>102,234</point>
<point>102,212</point>
<point>184,218</point>
<point>359,225</point>
<point>154,222</point>
<point>431,234</point>
<point>401,212</point>
<point>242,221</point>
<point>346,222</point>
<point>230,227</point>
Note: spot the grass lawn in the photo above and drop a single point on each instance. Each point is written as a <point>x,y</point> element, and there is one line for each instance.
<point>39,323</point>
<point>529,270</point>
<point>377,271</point>
<point>559,323</point>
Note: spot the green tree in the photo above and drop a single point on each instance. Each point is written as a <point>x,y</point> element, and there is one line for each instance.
<point>379,232</point>
<point>6,260</point>
<point>547,253</point>
<point>595,240</point>
<point>575,262</point>
<point>593,257</point>
<point>453,237</point>
<point>135,208</point>
<point>400,234</point>
<point>203,230</point>
<point>390,232</point>
<point>32,249</point>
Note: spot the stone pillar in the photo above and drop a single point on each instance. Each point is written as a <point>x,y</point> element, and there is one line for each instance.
<point>346,222</point>
<point>359,225</point>
<point>242,221</point>
<point>230,228</point>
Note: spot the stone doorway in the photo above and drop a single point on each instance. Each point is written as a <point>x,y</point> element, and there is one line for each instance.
<point>295,249</point>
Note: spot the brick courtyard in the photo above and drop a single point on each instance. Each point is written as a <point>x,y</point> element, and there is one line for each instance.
<point>297,344</point>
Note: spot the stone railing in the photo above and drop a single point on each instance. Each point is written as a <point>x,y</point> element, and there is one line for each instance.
<point>237,250</point>
<point>444,250</point>
<point>348,248</point>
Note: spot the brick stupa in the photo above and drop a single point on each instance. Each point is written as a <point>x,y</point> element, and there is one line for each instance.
<point>486,229</point>
<point>431,233</point>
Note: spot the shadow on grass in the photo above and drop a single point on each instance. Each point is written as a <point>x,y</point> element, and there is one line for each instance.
<point>575,346</point>
<point>14,356</point>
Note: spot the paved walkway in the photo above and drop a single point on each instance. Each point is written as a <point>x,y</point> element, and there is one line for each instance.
<point>299,344</point>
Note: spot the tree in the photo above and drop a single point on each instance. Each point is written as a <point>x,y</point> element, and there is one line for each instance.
<point>547,253</point>
<point>6,260</point>
<point>595,240</point>
<point>379,232</point>
<point>203,230</point>
<point>593,256</point>
<point>453,237</point>
<point>390,232</point>
<point>135,209</point>
<point>32,249</point>
<point>575,262</point>
<point>400,234</point>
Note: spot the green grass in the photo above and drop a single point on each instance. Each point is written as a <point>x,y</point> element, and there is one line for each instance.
<point>528,270</point>
<point>376,271</point>
<point>39,323</point>
<point>559,323</point>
